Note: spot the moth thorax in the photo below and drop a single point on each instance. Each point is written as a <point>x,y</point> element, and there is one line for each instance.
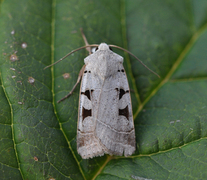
<point>105,65</point>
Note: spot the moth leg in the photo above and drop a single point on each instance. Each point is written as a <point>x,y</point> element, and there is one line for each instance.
<point>78,80</point>
<point>85,40</point>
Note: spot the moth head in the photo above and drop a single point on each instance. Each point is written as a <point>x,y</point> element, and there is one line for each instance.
<point>103,47</point>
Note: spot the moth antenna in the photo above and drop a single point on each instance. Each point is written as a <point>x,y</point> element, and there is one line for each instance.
<point>136,58</point>
<point>92,45</point>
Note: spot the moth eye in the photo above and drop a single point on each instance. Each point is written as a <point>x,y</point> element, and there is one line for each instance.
<point>96,49</point>
<point>93,49</point>
<point>110,48</point>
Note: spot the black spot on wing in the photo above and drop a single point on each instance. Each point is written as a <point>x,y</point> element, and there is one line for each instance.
<point>87,93</point>
<point>122,70</point>
<point>121,92</point>
<point>86,113</point>
<point>87,71</point>
<point>124,112</point>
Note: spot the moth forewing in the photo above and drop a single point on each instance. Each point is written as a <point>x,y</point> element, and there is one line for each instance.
<point>88,145</point>
<point>105,123</point>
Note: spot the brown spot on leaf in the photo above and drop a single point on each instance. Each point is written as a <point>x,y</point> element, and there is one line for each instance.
<point>13,57</point>
<point>35,158</point>
<point>31,80</point>
<point>66,75</point>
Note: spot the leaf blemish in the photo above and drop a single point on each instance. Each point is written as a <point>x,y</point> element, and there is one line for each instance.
<point>66,75</point>
<point>24,45</point>
<point>20,82</point>
<point>139,178</point>
<point>31,80</point>
<point>35,158</point>
<point>51,178</point>
<point>13,32</point>
<point>13,57</point>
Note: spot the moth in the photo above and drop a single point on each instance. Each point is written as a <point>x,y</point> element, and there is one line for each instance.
<point>105,123</point>
<point>105,118</point>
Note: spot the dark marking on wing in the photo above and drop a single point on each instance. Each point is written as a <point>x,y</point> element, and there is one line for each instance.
<point>124,112</point>
<point>87,93</point>
<point>121,92</point>
<point>122,70</point>
<point>87,71</point>
<point>81,142</point>
<point>86,113</point>
<point>118,70</point>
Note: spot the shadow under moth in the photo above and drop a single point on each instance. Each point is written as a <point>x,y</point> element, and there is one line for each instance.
<point>105,119</point>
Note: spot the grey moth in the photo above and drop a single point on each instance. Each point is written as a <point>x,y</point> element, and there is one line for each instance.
<point>105,118</point>
<point>105,122</point>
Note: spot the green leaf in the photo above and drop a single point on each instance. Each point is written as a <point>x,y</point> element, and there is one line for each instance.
<point>38,136</point>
